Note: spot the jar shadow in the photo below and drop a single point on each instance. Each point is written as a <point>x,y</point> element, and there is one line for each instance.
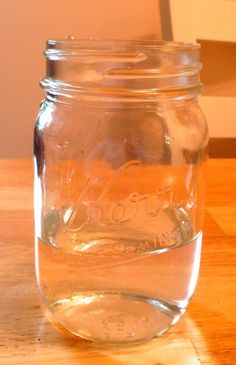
<point>174,347</point>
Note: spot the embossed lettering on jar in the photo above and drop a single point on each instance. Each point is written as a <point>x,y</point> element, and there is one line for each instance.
<point>120,144</point>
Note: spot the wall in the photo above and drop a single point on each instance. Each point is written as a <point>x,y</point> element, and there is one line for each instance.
<point>25,26</point>
<point>213,24</point>
<point>203,19</point>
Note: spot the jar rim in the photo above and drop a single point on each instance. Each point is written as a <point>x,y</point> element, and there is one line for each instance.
<point>121,67</point>
<point>74,43</point>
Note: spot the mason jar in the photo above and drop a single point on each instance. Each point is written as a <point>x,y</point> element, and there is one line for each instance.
<point>120,144</point>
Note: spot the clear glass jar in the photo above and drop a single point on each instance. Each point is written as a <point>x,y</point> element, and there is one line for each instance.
<point>120,143</point>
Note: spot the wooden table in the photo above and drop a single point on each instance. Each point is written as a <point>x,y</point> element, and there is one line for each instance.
<point>205,335</point>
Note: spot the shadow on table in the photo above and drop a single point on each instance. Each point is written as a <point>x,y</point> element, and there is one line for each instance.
<point>187,343</point>
<point>173,348</point>
<point>215,336</point>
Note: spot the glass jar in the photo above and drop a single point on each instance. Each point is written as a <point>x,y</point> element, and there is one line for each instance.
<point>119,144</point>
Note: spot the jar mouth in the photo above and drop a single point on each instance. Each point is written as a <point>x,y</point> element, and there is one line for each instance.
<point>72,43</point>
<point>123,67</point>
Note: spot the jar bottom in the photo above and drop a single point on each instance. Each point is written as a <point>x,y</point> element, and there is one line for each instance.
<point>115,318</point>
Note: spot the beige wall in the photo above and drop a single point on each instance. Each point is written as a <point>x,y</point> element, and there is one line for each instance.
<point>204,19</point>
<point>213,24</point>
<point>25,25</point>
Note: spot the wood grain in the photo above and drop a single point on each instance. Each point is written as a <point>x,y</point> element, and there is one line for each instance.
<point>222,147</point>
<point>205,335</point>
